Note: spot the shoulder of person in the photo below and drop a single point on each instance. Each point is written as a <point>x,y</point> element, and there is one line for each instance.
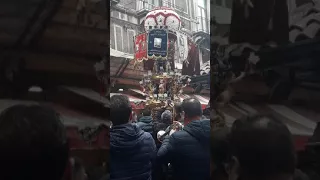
<point>179,135</point>
<point>147,135</point>
<point>140,123</point>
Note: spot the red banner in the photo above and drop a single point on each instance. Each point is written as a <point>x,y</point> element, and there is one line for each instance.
<point>141,47</point>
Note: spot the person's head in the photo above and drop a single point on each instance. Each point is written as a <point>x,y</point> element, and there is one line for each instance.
<point>78,169</point>
<point>120,109</point>
<point>146,112</point>
<point>219,152</point>
<point>261,147</point>
<point>192,110</point>
<point>166,117</point>
<point>33,143</point>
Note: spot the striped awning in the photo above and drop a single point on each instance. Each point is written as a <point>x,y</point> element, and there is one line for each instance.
<point>131,98</point>
<point>203,99</point>
<point>90,94</point>
<point>115,53</point>
<point>138,91</point>
<point>299,120</point>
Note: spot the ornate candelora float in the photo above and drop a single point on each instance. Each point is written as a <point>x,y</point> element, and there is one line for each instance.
<point>158,49</point>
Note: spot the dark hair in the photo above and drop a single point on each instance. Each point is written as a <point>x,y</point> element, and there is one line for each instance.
<point>120,109</point>
<point>33,143</point>
<point>166,117</point>
<point>263,146</point>
<point>146,112</point>
<point>191,107</point>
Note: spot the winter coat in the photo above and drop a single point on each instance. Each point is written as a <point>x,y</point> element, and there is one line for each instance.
<point>188,151</point>
<point>132,152</point>
<point>146,124</point>
<point>159,126</point>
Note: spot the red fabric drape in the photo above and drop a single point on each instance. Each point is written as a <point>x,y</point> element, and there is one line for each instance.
<point>193,68</point>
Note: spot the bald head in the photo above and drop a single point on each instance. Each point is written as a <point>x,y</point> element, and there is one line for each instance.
<point>192,108</point>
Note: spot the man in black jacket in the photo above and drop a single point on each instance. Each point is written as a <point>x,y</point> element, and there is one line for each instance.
<point>146,121</point>
<point>132,150</point>
<point>188,151</point>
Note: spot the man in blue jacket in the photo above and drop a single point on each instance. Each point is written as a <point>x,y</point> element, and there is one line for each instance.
<point>188,151</point>
<point>146,121</point>
<point>132,150</point>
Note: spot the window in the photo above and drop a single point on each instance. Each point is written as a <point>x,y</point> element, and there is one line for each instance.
<point>192,9</point>
<point>167,3</point>
<point>186,23</point>
<point>133,19</point>
<point>118,37</point>
<point>131,4</point>
<point>131,34</point>
<point>123,16</point>
<point>112,37</point>
<point>115,14</point>
<point>202,3</point>
<point>202,19</point>
<point>182,5</point>
<point>147,4</point>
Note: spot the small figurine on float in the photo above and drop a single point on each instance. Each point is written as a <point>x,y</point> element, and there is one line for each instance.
<point>161,87</point>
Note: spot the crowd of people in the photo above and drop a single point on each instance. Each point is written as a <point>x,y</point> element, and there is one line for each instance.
<point>34,146</point>
<point>137,152</point>
<point>261,147</point>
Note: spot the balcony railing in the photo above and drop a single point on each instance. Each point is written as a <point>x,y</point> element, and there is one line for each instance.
<point>146,5</point>
<point>143,6</point>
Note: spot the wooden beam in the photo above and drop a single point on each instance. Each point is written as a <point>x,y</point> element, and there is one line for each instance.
<point>71,47</point>
<point>71,32</point>
<point>36,25</point>
<point>251,86</point>
<point>67,15</point>
<point>128,81</point>
<point>58,63</point>
<point>54,79</point>
<point>81,103</point>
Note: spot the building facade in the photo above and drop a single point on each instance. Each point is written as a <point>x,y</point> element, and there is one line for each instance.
<point>127,18</point>
<point>222,12</point>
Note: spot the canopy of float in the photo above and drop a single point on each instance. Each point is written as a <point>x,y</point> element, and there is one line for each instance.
<point>136,103</point>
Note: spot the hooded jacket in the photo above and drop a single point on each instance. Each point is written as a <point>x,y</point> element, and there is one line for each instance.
<point>146,124</point>
<point>188,151</point>
<point>132,152</point>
